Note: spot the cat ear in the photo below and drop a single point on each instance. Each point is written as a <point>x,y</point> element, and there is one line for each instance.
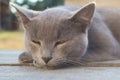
<point>85,14</point>
<point>25,14</point>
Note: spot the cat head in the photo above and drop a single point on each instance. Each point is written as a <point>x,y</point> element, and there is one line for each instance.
<point>56,37</point>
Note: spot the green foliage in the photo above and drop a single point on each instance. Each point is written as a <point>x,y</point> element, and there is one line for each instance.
<point>40,4</point>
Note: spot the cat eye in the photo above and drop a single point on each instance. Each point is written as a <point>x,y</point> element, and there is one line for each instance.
<point>36,42</point>
<point>59,43</point>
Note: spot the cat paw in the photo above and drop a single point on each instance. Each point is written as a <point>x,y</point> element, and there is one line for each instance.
<point>25,58</point>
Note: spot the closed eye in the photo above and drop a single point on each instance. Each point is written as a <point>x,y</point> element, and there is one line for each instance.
<point>36,42</point>
<point>59,43</point>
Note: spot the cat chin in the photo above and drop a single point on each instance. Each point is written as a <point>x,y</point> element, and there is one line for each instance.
<point>53,65</point>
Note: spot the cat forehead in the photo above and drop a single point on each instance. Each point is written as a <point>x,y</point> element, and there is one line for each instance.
<point>54,13</point>
<point>58,10</point>
<point>49,24</point>
<point>51,17</point>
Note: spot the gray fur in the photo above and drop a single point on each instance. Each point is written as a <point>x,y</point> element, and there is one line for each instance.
<point>71,35</point>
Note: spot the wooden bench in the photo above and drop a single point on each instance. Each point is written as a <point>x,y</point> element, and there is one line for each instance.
<point>10,69</point>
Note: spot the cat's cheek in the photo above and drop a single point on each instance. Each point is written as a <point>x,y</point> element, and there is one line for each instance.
<point>72,49</point>
<point>31,48</point>
<point>36,54</point>
<point>38,62</point>
<point>59,51</point>
<point>35,51</point>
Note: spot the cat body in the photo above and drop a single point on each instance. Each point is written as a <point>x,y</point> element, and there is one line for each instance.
<point>62,36</point>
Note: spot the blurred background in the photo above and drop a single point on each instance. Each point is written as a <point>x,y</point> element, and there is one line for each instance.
<point>11,32</point>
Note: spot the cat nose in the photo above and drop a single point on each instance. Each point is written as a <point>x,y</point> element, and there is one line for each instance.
<point>46,59</point>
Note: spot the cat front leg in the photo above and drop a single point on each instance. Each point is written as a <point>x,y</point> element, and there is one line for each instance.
<point>25,57</point>
<point>99,55</point>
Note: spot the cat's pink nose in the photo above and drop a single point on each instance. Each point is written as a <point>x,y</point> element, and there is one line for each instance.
<point>46,59</point>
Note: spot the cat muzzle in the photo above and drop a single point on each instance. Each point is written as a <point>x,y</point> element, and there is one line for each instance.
<point>46,59</point>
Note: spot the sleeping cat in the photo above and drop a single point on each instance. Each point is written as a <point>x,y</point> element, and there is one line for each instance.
<point>64,36</point>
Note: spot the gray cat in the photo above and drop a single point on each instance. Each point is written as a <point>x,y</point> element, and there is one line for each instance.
<point>64,36</point>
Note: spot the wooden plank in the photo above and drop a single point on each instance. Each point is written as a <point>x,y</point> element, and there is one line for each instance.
<point>81,73</point>
<point>10,58</point>
<point>10,69</point>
